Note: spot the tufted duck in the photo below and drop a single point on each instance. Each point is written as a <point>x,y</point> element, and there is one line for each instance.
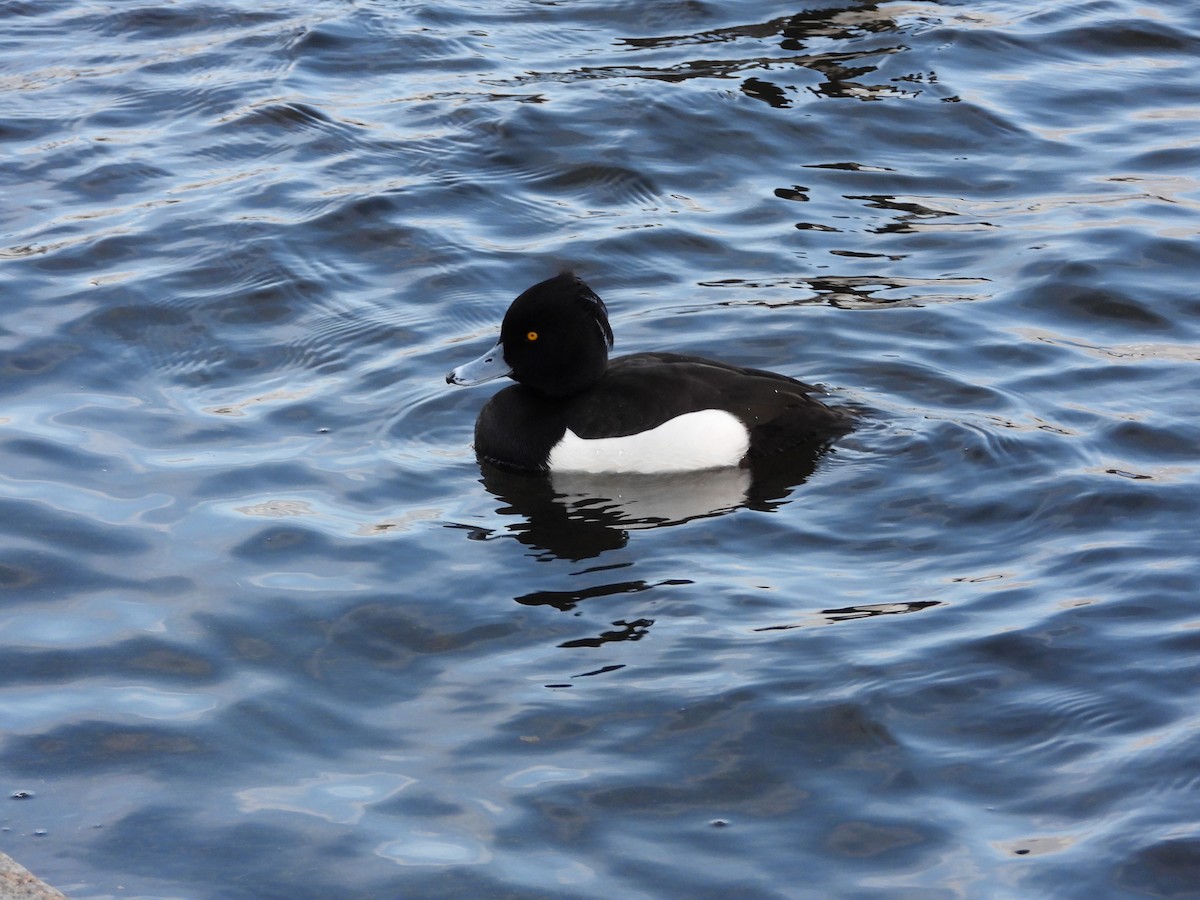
<point>574,410</point>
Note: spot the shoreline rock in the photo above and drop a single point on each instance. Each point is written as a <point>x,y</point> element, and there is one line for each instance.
<point>18,883</point>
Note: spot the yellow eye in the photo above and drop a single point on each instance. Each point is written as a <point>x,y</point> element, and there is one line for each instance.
<point>531,336</point>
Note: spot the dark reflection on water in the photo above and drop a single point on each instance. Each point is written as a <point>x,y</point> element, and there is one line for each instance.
<point>568,600</point>
<point>856,292</point>
<point>264,632</point>
<point>850,613</point>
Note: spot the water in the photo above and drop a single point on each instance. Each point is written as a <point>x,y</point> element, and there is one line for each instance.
<point>268,631</point>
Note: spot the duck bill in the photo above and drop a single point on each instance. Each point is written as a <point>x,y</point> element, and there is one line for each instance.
<point>489,366</point>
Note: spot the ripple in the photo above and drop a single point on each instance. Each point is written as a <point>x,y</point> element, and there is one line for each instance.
<point>1168,867</point>
<point>255,587</point>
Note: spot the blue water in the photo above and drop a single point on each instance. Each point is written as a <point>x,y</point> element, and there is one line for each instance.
<point>267,630</point>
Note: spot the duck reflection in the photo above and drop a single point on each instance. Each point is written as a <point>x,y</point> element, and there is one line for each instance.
<point>578,516</point>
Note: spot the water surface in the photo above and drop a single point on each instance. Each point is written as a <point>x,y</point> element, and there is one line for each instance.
<point>268,630</point>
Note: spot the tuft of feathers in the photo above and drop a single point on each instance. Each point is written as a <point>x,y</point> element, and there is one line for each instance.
<point>592,302</point>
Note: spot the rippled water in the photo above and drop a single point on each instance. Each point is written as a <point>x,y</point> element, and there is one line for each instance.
<point>268,631</point>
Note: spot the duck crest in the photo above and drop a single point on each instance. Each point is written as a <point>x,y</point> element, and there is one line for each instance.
<point>592,303</point>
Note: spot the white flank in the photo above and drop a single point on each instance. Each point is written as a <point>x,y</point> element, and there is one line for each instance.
<point>709,439</point>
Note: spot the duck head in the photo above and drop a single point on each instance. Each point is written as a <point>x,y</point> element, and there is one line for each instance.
<point>554,339</point>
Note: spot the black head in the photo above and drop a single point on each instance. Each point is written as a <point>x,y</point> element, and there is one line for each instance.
<point>556,336</point>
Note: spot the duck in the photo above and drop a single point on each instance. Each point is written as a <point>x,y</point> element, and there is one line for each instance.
<point>572,409</point>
